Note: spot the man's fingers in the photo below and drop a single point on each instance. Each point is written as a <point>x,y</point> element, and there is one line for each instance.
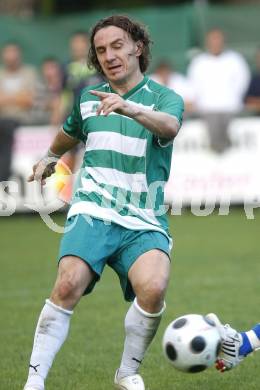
<point>47,172</point>
<point>41,171</point>
<point>107,104</point>
<point>30,178</point>
<point>111,108</point>
<point>100,94</point>
<point>110,102</point>
<point>99,110</point>
<point>104,106</point>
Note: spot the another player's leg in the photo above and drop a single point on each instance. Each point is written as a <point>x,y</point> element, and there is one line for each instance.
<point>52,329</point>
<point>149,278</point>
<point>235,345</point>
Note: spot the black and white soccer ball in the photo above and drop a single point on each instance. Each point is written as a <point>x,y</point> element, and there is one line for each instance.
<point>191,343</point>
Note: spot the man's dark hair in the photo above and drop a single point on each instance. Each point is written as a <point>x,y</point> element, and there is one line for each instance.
<point>135,30</point>
<point>50,59</point>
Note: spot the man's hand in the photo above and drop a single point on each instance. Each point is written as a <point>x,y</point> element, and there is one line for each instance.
<point>159,123</point>
<point>112,102</point>
<point>43,169</point>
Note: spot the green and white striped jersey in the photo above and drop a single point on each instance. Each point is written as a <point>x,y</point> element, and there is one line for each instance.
<point>125,166</point>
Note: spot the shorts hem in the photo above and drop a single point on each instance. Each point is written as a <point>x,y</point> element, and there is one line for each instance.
<point>80,257</point>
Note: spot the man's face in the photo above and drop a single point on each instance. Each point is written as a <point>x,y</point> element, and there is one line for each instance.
<point>51,70</point>
<point>117,53</point>
<point>215,42</point>
<point>79,47</point>
<point>11,56</point>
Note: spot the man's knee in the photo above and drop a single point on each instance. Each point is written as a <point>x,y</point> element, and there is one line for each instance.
<point>150,295</point>
<point>73,278</point>
<point>149,277</point>
<point>67,289</point>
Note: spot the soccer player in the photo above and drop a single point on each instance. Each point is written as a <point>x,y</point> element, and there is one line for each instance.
<point>128,124</point>
<point>235,345</point>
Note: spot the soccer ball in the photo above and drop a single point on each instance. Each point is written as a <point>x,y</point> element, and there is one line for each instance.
<point>191,343</point>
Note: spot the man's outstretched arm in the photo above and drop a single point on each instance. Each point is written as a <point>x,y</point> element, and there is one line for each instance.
<point>160,123</point>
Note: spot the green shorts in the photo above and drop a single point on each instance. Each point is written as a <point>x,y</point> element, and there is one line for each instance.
<point>98,244</point>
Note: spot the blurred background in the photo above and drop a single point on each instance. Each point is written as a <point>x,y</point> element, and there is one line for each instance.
<point>209,53</point>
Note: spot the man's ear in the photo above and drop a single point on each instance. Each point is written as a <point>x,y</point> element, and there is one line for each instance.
<point>139,48</point>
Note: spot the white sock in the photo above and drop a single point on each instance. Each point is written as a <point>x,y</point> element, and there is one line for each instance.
<point>51,332</point>
<point>140,329</point>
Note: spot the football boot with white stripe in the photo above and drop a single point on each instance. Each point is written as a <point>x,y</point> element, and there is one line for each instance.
<point>229,356</point>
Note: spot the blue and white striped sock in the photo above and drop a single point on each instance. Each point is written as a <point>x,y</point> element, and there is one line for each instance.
<point>251,341</point>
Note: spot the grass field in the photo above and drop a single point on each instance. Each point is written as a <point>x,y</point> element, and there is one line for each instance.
<point>216,267</point>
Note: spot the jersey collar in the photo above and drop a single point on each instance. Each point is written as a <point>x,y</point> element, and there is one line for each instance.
<point>133,90</point>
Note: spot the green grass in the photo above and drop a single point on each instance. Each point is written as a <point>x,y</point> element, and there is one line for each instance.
<point>216,268</point>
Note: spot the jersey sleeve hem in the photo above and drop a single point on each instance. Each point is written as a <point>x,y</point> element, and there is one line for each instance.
<point>67,134</point>
<point>164,142</point>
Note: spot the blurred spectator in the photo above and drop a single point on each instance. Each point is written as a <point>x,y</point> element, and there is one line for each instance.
<point>220,79</point>
<point>17,87</point>
<point>166,75</point>
<point>49,107</point>
<point>252,98</point>
<point>77,74</point>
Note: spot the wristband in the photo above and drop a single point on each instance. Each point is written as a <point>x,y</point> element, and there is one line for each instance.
<point>50,154</point>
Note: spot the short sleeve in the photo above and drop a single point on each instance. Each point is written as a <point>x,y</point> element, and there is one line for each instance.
<point>73,124</point>
<point>172,104</point>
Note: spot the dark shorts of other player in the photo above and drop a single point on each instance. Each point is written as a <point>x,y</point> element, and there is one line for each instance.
<point>99,243</point>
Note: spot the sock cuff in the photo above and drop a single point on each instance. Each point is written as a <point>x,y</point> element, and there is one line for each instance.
<point>246,346</point>
<point>58,308</point>
<point>146,314</point>
<point>253,339</point>
<point>256,329</point>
